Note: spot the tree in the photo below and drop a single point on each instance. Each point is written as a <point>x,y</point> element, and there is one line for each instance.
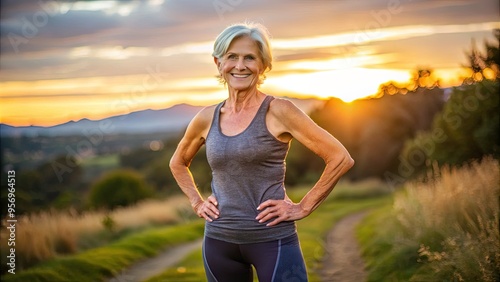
<point>468,126</point>
<point>118,188</point>
<point>484,65</point>
<point>423,78</point>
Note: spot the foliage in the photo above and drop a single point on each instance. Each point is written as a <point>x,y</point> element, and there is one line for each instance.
<point>109,223</point>
<point>41,187</point>
<point>468,126</point>
<point>484,65</point>
<point>466,129</point>
<point>118,188</point>
<point>443,230</point>
<point>423,78</point>
<point>137,158</point>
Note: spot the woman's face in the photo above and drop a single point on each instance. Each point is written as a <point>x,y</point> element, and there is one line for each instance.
<point>241,65</point>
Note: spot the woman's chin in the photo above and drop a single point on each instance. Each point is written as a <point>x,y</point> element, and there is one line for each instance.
<point>239,87</point>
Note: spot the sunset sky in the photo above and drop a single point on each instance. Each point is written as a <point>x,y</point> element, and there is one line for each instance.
<point>63,61</point>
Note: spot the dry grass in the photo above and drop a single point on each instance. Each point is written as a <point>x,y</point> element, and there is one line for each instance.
<point>454,219</point>
<point>42,236</point>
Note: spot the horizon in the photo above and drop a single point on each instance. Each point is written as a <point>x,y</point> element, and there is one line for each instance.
<point>303,106</point>
<point>66,61</point>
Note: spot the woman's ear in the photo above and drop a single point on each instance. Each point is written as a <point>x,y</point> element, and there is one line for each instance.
<point>217,62</point>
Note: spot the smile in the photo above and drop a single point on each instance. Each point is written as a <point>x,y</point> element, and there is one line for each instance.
<point>240,75</point>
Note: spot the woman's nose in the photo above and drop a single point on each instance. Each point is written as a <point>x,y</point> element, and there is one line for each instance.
<point>240,65</point>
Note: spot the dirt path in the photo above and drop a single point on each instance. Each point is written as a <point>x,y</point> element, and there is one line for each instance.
<point>343,262</point>
<point>156,265</point>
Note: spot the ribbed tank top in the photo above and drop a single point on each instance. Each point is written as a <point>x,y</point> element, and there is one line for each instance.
<point>247,169</point>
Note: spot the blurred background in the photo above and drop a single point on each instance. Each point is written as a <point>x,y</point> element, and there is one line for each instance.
<point>95,95</point>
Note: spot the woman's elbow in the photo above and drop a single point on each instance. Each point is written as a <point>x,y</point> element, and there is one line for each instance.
<point>342,161</point>
<point>349,162</point>
<point>174,164</point>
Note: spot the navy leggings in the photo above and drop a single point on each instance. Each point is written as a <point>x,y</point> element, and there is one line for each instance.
<point>279,260</point>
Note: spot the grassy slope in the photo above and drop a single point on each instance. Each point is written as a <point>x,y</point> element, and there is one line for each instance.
<point>97,264</point>
<point>441,230</point>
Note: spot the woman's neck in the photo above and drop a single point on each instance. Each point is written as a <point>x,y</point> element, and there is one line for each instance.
<point>240,100</point>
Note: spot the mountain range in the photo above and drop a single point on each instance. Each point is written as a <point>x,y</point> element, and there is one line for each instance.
<point>170,119</point>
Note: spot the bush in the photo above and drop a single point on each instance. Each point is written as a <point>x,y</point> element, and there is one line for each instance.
<point>119,188</point>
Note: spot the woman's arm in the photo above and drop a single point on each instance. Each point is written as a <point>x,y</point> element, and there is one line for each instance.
<point>286,119</point>
<point>187,148</point>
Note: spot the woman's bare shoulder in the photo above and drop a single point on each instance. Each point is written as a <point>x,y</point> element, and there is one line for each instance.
<point>201,122</point>
<point>281,107</point>
<point>206,114</point>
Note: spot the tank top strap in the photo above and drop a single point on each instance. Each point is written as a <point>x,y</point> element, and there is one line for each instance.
<point>215,120</point>
<point>261,114</point>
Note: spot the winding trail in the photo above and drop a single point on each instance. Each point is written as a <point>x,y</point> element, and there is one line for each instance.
<point>156,265</point>
<point>343,261</point>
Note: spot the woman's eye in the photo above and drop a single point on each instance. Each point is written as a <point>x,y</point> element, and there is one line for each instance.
<point>249,58</point>
<point>232,57</point>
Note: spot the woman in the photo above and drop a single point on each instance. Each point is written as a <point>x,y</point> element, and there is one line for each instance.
<point>249,218</point>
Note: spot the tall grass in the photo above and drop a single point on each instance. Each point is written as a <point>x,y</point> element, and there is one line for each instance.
<point>455,220</point>
<point>446,229</point>
<point>43,236</point>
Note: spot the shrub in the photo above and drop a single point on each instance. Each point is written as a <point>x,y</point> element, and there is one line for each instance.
<point>118,188</point>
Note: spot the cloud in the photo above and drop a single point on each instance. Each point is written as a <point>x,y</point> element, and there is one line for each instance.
<point>50,40</point>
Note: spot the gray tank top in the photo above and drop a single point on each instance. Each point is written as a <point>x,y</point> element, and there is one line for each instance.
<point>247,169</point>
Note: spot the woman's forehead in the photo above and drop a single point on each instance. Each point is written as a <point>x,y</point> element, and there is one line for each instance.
<point>243,44</point>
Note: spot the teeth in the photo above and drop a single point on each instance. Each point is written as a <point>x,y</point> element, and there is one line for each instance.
<point>241,75</point>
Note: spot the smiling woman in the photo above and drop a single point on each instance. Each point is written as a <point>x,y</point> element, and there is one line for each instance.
<point>250,220</point>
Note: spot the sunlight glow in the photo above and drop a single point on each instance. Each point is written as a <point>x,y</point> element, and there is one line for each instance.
<point>340,63</point>
<point>347,84</point>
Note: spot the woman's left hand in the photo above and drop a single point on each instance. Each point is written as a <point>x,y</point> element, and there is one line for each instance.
<point>280,210</point>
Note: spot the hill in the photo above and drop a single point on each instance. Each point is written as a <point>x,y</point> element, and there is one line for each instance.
<point>166,120</point>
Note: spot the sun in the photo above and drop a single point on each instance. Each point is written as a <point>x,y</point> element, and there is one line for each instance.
<point>346,84</point>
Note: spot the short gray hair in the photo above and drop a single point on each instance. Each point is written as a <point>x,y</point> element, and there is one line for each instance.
<point>255,31</point>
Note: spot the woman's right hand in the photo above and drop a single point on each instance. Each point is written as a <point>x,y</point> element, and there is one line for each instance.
<point>207,209</point>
